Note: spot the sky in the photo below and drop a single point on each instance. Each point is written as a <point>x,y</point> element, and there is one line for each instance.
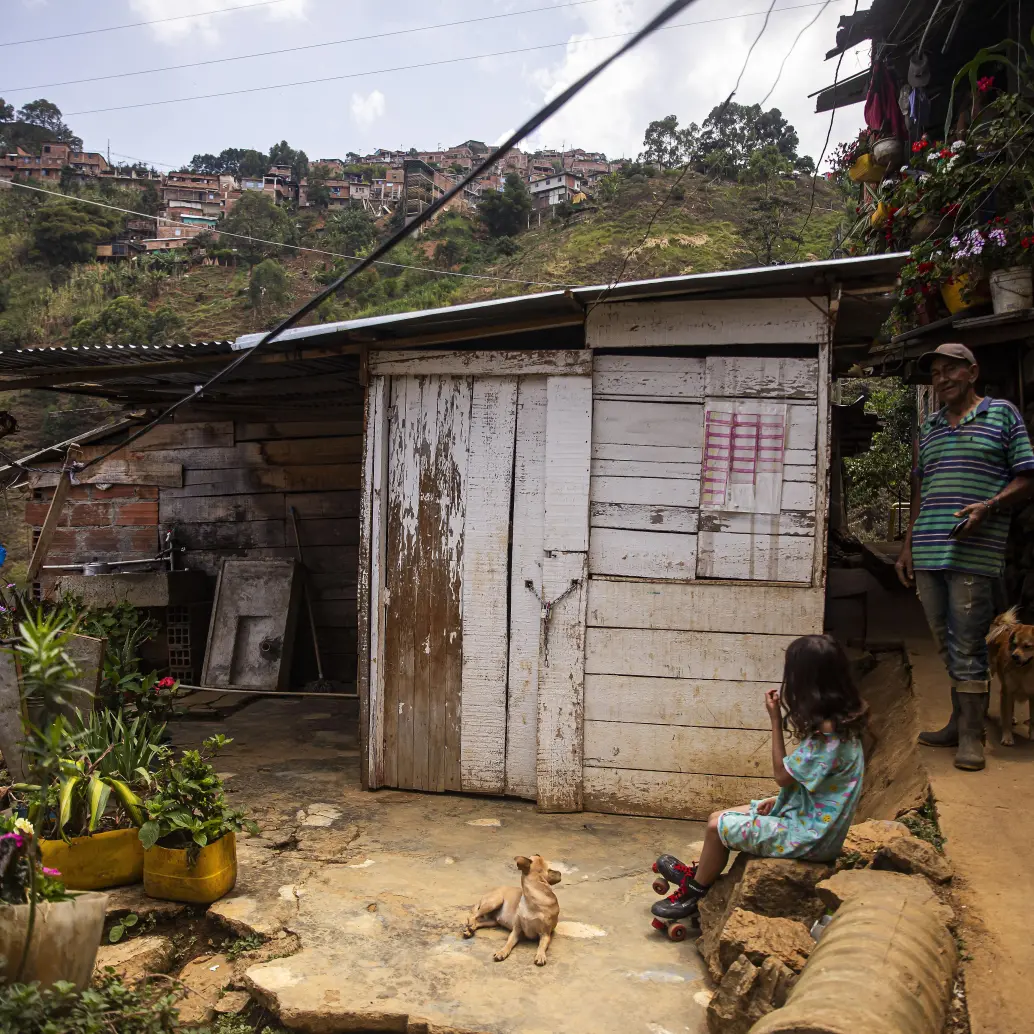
<point>372,99</point>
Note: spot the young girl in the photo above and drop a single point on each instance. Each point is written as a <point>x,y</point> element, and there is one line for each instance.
<point>820,781</point>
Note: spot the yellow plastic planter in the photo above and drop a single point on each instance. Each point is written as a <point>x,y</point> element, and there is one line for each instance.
<point>951,292</point>
<point>103,860</point>
<point>167,875</point>
<point>867,170</point>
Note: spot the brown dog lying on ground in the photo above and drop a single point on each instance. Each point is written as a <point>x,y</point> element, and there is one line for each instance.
<point>1011,653</point>
<point>530,910</point>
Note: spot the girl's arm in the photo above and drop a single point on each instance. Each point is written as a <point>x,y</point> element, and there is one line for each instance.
<point>782,777</point>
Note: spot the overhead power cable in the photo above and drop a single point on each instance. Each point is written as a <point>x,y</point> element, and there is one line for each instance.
<point>424,64</point>
<point>541,116</point>
<point>136,25</point>
<point>281,244</point>
<point>298,49</point>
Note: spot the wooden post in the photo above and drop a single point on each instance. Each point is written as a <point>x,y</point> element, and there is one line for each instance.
<point>46,535</point>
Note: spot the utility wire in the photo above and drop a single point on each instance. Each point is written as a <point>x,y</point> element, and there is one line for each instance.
<point>424,64</point>
<point>786,57</point>
<point>281,244</point>
<point>136,25</point>
<point>295,50</point>
<point>542,115</point>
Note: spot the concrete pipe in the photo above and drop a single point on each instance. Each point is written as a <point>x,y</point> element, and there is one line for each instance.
<point>884,964</point>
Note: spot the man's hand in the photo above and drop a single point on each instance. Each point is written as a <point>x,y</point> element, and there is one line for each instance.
<point>766,806</point>
<point>772,704</point>
<point>903,566</point>
<point>975,514</point>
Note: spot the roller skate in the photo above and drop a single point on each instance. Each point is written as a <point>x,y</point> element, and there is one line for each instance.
<point>677,913</point>
<point>671,870</point>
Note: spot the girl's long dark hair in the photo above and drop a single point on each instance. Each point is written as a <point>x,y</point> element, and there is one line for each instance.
<point>818,688</point>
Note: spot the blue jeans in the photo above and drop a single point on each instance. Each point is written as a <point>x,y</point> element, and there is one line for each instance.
<point>959,609</point>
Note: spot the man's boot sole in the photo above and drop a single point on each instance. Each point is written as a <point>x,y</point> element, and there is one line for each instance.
<point>970,766</point>
<point>937,743</point>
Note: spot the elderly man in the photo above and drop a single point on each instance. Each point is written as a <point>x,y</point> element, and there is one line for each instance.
<point>972,464</point>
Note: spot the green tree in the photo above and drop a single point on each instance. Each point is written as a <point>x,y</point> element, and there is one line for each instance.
<point>233,161</point>
<point>774,207</point>
<point>46,115</point>
<point>505,213</point>
<point>666,145</point>
<point>732,132</point>
<point>350,231</point>
<point>268,287</point>
<point>6,111</point>
<point>317,190</point>
<point>284,154</point>
<point>881,476</point>
<point>127,321</point>
<point>256,215</point>
<point>65,233</point>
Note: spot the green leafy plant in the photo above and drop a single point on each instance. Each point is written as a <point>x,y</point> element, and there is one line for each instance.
<point>109,1005</point>
<point>923,824</point>
<point>20,867</point>
<point>237,947</point>
<point>119,929</point>
<point>189,809</point>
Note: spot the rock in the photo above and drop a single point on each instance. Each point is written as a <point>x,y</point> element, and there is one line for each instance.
<point>246,915</point>
<point>328,845</point>
<point>727,1010</point>
<point>762,937</point>
<point>776,887</point>
<point>746,993</point>
<point>134,958</point>
<point>123,900</point>
<point>866,838</point>
<point>232,1003</point>
<point>204,980</point>
<point>283,945</point>
<point>912,855</point>
<point>855,883</point>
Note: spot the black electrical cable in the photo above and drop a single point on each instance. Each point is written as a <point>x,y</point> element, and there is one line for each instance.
<point>669,11</point>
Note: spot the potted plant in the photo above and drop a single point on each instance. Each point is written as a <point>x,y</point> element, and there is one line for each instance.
<point>92,836</point>
<point>189,838</point>
<point>45,933</point>
<point>999,252</point>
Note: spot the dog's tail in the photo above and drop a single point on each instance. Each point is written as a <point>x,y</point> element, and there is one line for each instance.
<point>1002,625</point>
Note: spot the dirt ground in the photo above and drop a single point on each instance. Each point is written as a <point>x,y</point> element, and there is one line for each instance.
<point>990,836</point>
<point>377,888</point>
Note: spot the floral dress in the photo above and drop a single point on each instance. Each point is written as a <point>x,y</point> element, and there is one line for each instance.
<point>811,816</point>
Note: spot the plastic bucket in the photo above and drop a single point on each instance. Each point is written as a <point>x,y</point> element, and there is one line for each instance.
<point>168,876</point>
<point>951,292</point>
<point>1012,289</point>
<point>103,860</point>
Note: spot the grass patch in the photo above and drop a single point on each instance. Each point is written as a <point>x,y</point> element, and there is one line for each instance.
<point>924,825</point>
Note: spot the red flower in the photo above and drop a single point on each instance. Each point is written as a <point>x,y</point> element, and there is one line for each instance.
<point>909,291</point>
<point>918,146</point>
<point>1026,242</point>
<point>166,683</point>
<point>944,154</point>
<point>985,84</point>
<point>924,267</point>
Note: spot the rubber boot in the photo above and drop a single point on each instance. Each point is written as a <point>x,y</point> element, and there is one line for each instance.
<point>949,735</point>
<point>970,755</point>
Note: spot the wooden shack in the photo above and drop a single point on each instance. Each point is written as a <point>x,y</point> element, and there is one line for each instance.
<point>583,525</point>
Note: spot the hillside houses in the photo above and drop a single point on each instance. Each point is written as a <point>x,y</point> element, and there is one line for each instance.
<point>191,202</point>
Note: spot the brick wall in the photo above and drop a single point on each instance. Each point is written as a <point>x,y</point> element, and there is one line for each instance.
<point>120,522</point>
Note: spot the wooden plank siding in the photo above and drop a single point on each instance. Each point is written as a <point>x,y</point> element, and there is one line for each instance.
<point>687,622</point>
<point>239,479</point>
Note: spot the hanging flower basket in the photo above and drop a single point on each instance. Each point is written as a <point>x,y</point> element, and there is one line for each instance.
<point>867,170</point>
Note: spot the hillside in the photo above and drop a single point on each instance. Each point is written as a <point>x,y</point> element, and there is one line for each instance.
<point>702,228</point>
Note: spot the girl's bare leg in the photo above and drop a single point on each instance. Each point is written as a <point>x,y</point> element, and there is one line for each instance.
<point>714,853</point>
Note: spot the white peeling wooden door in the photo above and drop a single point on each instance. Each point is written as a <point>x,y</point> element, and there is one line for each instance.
<point>484,586</point>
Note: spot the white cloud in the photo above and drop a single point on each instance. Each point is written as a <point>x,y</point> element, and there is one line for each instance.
<point>687,71</point>
<point>208,28</point>
<point>367,110</point>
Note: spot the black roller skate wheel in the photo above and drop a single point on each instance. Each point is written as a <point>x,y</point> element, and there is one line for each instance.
<point>660,885</point>
<point>677,932</point>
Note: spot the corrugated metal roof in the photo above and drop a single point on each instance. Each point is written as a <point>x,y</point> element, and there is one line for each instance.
<point>317,362</point>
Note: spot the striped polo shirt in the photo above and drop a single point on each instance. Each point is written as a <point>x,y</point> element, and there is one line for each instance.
<point>966,464</point>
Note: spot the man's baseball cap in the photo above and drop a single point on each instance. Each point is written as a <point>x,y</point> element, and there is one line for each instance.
<point>951,350</point>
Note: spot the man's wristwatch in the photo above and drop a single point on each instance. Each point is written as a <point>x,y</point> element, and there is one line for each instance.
<point>993,504</point>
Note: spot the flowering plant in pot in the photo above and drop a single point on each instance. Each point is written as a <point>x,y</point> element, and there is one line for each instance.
<point>920,281</point>
<point>189,837</point>
<point>1002,251</point>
